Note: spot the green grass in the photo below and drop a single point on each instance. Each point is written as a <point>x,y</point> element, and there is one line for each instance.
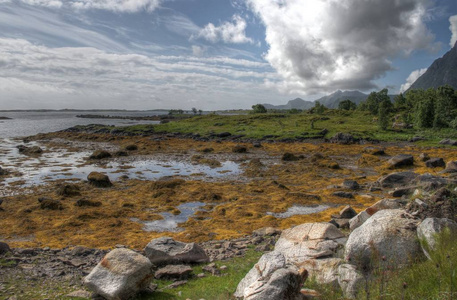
<point>210,287</point>
<point>283,125</point>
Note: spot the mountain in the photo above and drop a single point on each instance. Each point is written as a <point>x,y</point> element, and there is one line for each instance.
<point>442,71</point>
<point>297,103</point>
<point>330,101</point>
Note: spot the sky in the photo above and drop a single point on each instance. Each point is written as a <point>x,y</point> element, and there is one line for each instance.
<point>212,54</point>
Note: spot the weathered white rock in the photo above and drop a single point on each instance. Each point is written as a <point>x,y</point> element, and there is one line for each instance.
<point>367,213</point>
<point>120,275</point>
<point>165,250</point>
<point>310,240</point>
<point>430,228</point>
<point>324,271</point>
<point>349,280</point>
<point>271,278</point>
<point>387,233</point>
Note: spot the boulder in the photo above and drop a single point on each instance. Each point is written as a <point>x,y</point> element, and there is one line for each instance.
<point>68,190</point>
<point>131,147</point>
<point>87,203</point>
<point>309,240</point>
<point>120,275</point>
<point>349,280</point>
<point>397,179</point>
<point>429,230</point>
<point>99,180</point>
<point>451,167</point>
<point>324,271</point>
<point>50,204</point>
<point>3,172</point>
<point>358,220</point>
<point>372,150</point>
<point>289,157</point>
<point>435,163</point>
<point>343,138</point>
<point>29,150</point>
<point>165,250</point>
<point>100,154</point>
<point>347,212</point>
<point>389,233</point>
<point>177,272</point>
<point>401,160</point>
<point>424,157</point>
<point>351,184</point>
<point>4,248</point>
<point>271,278</point>
<point>343,195</point>
<point>239,149</point>
<point>448,142</point>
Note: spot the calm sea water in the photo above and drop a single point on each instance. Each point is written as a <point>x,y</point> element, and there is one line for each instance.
<point>26,123</point>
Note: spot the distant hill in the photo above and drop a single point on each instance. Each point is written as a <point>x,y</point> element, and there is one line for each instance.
<point>330,101</point>
<point>442,71</point>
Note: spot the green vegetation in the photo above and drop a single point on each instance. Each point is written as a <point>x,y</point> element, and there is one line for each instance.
<point>347,105</point>
<point>258,109</point>
<point>210,287</point>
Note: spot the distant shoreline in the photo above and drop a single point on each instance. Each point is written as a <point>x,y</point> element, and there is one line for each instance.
<point>5,118</point>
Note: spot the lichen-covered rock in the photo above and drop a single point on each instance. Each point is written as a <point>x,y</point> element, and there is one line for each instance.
<point>177,272</point>
<point>309,240</point>
<point>388,233</point>
<point>435,163</point>
<point>347,212</point>
<point>120,275</point>
<point>397,179</point>
<point>429,230</point>
<point>100,154</point>
<point>349,280</point>
<point>4,248</point>
<point>165,250</point>
<point>99,180</point>
<point>271,278</point>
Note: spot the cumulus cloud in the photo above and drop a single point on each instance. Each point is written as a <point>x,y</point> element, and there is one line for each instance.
<point>228,32</point>
<point>325,45</point>
<point>453,28</point>
<point>85,77</point>
<point>411,79</point>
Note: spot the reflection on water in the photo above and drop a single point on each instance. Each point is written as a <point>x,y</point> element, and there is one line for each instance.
<point>61,164</point>
<point>299,210</point>
<point>170,222</point>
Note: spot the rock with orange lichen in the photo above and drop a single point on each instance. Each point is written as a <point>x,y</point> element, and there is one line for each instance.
<point>120,275</point>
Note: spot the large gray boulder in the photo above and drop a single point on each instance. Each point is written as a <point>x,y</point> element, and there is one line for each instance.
<point>429,230</point>
<point>350,280</point>
<point>388,233</point>
<point>309,240</point>
<point>323,271</point>
<point>382,204</point>
<point>120,275</point>
<point>397,179</point>
<point>271,278</point>
<point>166,251</point>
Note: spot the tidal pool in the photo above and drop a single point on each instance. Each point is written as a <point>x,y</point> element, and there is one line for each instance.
<point>62,164</point>
<point>299,210</point>
<point>171,222</point>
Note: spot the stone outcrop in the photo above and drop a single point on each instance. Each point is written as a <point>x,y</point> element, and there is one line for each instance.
<point>323,271</point>
<point>165,250</point>
<point>271,278</point>
<point>389,233</point>
<point>429,230</point>
<point>401,160</point>
<point>120,275</point>
<point>309,240</point>
<point>350,280</point>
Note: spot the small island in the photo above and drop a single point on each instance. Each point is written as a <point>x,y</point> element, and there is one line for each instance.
<point>5,118</point>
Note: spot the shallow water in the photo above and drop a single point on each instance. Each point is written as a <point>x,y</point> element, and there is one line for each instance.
<point>171,222</point>
<point>299,210</point>
<point>61,164</point>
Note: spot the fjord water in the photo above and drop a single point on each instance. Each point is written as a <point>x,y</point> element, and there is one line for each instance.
<point>26,123</point>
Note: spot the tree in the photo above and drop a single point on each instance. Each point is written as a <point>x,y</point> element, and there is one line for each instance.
<point>424,114</point>
<point>194,110</point>
<point>374,100</point>
<point>347,105</point>
<point>259,109</point>
<point>383,114</point>
<point>318,108</point>
<point>200,112</point>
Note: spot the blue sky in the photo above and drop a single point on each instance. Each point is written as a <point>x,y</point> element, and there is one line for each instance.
<point>212,54</point>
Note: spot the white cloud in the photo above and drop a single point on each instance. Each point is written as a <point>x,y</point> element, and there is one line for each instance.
<point>325,45</point>
<point>227,32</point>
<point>47,3</point>
<point>411,79</point>
<point>198,50</point>
<point>117,5</point>
<point>35,76</point>
<point>453,28</point>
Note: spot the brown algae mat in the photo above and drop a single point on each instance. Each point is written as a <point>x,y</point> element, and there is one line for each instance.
<point>230,207</point>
